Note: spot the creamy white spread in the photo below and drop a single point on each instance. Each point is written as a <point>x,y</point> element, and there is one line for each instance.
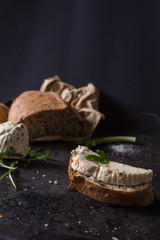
<point>14,138</point>
<point>113,173</point>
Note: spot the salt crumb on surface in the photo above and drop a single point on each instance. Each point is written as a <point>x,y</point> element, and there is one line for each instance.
<point>123,149</point>
<point>20,203</point>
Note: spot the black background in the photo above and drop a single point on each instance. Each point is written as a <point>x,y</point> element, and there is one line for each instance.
<point>113,44</point>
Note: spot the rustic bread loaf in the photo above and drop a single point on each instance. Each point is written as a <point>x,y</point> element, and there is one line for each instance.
<point>137,196</point>
<point>45,114</point>
<point>3,113</point>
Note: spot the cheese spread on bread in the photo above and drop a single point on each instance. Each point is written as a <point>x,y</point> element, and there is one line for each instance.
<point>14,138</point>
<point>113,173</point>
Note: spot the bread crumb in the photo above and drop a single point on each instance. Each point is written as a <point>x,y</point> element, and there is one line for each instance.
<point>38,172</point>
<point>43,175</point>
<point>114,238</point>
<point>67,225</point>
<point>86,231</point>
<point>50,182</point>
<point>46,225</point>
<point>33,178</point>
<point>79,222</point>
<point>1,216</point>
<point>56,182</point>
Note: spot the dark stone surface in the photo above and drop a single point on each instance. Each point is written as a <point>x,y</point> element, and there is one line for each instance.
<point>71,215</point>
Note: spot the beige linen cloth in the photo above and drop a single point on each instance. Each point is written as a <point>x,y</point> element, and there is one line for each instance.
<point>84,100</point>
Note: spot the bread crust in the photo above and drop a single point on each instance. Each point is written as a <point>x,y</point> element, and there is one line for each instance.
<point>34,102</point>
<point>3,113</point>
<point>134,198</point>
<point>46,115</point>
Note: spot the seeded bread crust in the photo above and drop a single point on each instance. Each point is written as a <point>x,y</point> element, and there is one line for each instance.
<point>32,102</point>
<point>140,197</point>
<point>3,113</point>
<point>45,114</point>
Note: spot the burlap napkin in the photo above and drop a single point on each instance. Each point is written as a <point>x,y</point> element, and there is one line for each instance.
<point>84,100</point>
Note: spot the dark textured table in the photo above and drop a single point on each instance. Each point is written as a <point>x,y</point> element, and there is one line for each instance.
<point>44,208</point>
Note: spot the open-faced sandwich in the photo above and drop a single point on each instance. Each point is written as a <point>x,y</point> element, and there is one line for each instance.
<point>92,174</point>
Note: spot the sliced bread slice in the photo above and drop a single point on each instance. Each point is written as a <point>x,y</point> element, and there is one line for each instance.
<point>85,178</point>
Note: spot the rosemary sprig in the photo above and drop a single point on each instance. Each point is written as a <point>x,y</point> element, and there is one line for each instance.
<point>33,155</point>
<point>96,141</point>
<point>9,154</point>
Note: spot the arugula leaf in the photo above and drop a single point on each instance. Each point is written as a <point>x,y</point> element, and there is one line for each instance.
<point>96,141</point>
<point>10,164</point>
<point>101,158</point>
<point>93,158</point>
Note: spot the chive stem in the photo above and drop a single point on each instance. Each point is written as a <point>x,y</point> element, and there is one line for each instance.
<point>5,174</point>
<point>11,179</point>
<point>6,166</point>
<point>96,141</point>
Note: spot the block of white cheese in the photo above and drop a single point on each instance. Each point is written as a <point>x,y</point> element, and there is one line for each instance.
<point>14,138</point>
<point>113,173</point>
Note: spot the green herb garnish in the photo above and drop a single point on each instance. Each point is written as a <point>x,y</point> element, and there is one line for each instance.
<point>9,154</point>
<point>101,158</point>
<point>33,155</point>
<point>11,168</point>
<point>96,141</point>
<point>7,162</point>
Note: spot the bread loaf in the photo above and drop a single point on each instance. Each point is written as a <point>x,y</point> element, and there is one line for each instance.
<point>3,113</point>
<point>46,114</point>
